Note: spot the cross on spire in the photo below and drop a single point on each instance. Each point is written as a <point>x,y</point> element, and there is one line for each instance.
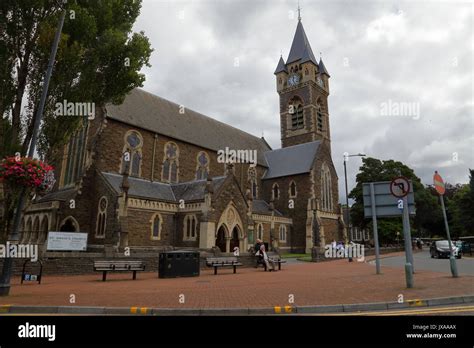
<point>299,12</point>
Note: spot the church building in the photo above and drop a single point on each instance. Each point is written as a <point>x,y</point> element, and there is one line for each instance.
<point>147,174</point>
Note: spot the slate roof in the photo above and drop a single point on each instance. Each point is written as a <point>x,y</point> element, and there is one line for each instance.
<point>60,195</point>
<point>189,191</point>
<point>291,160</point>
<point>300,43</point>
<point>194,190</point>
<point>148,111</point>
<point>259,206</point>
<point>142,188</point>
<point>322,68</point>
<point>281,66</point>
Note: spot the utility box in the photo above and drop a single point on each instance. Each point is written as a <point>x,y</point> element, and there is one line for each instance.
<point>174,264</point>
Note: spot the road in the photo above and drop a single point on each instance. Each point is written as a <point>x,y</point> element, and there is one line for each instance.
<point>423,261</point>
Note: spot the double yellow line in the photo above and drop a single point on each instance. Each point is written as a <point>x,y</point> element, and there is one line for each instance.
<point>420,311</point>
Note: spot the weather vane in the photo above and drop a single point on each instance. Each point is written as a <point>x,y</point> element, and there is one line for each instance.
<point>299,11</point>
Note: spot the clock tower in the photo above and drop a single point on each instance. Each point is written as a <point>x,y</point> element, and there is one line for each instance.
<point>303,86</point>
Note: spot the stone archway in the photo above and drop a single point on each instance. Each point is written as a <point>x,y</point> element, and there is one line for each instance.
<point>69,225</point>
<point>221,238</point>
<point>230,218</point>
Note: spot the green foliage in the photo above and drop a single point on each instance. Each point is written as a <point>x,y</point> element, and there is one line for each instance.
<point>428,214</point>
<point>461,210</point>
<point>98,61</point>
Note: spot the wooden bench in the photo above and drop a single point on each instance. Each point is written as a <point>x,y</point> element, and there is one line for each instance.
<point>275,258</point>
<point>223,262</point>
<point>118,266</point>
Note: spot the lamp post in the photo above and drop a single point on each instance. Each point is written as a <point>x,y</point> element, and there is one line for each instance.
<point>346,158</point>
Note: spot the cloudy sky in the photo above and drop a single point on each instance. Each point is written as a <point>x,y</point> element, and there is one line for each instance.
<point>218,58</point>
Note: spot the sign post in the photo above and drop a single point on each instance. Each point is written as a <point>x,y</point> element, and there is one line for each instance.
<point>376,232</point>
<point>440,188</point>
<point>400,187</point>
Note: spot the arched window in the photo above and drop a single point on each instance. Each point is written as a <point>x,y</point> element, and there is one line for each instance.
<point>326,188</point>
<point>202,167</point>
<point>282,233</point>
<point>132,154</point>
<point>170,163</point>
<point>101,221</point>
<point>260,231</point>
<point>275,191</point>
<point>292,190</point>
<point>156,224</point>
<point>73,160</point>
<point>190,227</point>
<point>296,112</point>
<point>252,179</point>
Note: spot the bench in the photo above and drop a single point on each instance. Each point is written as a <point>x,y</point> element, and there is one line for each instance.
<point>223,262</point>
<point>275,258</point>
<point>117,266</point>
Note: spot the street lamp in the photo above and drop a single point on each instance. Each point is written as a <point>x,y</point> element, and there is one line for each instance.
<point>346,158</point>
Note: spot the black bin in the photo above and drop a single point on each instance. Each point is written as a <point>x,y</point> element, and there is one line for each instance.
<point>173,264</point>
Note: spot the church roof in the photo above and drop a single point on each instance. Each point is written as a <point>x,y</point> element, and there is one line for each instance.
<point>148,111</point>
<point>189,191</point>
<point>142,188</point>
<point>281,66</point>
<point>259,206</point>
<point>195,190</point>
<point>299,45</point>
<point>292,160</point>
<point>322,68</point>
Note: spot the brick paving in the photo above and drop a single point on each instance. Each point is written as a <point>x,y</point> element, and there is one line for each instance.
<point>325,283</point>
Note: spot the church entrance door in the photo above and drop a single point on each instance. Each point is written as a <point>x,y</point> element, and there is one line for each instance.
<point>234,242</point>
<point>220,240</point>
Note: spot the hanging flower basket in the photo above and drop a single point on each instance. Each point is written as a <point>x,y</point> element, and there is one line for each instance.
<point>27,173</point>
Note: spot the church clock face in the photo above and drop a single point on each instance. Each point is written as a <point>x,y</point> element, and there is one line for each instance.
<point>293,80</point>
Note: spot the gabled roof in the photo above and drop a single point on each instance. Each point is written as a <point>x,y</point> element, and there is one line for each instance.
<point>292,160</point>
<point>60,195</point>
<point>145,110</point>
<point>322,68</point>
<point>281,67</point>
<point>300,43</point>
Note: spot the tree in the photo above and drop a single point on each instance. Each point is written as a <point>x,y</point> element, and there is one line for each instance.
<point>461,210</point>
<point>427,213</point>
<point>98,61</point>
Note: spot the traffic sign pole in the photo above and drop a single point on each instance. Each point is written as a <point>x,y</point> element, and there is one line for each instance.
<point>441,189</point>
<point>408,251</point>
<point>376,233</point>
<point>452,260</point>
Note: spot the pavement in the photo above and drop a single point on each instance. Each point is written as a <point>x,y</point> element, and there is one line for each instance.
<point>423,261</point>
<point>297,285</point>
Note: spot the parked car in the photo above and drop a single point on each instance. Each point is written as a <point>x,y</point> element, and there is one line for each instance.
<point>463,246</point>
<point>440,249</point>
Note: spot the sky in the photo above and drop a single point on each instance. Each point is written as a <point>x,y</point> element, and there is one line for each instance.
<point>401,83</point>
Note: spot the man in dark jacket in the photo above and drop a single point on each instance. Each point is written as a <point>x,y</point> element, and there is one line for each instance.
<point>258,255</point>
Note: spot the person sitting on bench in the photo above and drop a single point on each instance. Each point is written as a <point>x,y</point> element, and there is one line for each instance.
<point>258,255</point>
<point>266,259</point>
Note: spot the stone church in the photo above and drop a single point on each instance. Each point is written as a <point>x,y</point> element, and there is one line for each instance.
<point>146,174</point>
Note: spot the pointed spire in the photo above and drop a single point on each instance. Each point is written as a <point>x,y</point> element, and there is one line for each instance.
<point>299,45</point>
<point>305,57</point>
<point>281,66</point>
<point>322,68</point>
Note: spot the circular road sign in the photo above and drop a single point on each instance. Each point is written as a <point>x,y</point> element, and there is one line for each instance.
<point>439,184</point>
<point>399,187</point>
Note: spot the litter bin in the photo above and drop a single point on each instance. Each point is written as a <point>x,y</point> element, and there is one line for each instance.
<point>173,264</point>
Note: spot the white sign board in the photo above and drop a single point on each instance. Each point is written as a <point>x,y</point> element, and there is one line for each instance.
<point>67,241</point>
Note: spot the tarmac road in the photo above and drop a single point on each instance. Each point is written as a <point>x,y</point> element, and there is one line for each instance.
<point>423,261</point>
